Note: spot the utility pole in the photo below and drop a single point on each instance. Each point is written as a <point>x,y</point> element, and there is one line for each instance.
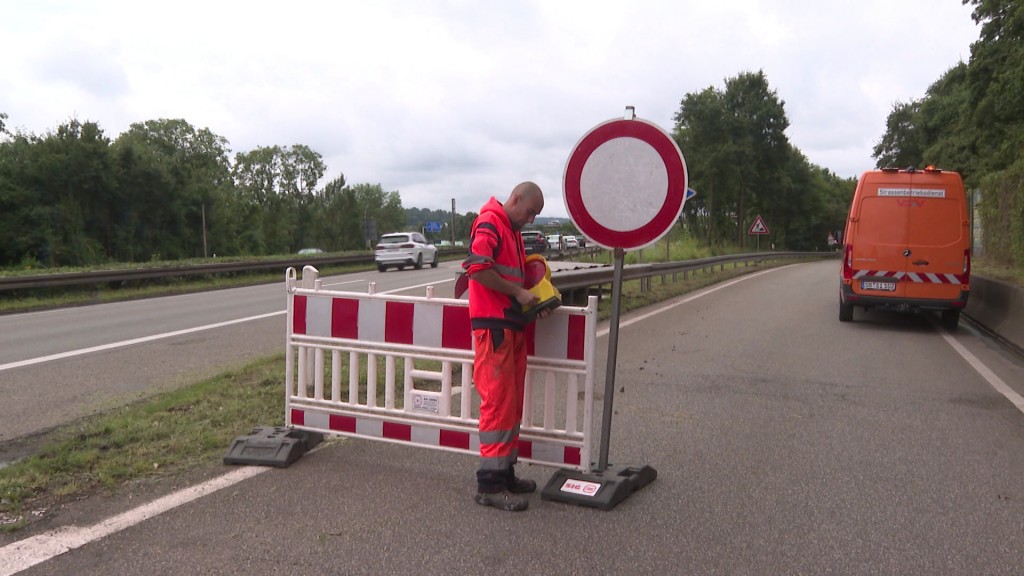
<point>204,230</point>
<point>453,222</point>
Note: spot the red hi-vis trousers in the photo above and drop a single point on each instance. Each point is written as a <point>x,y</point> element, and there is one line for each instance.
<point>499,374</point>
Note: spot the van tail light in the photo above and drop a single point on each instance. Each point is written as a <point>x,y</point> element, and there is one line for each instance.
<point>378,247</point>
<point>848,262</point>
<point>967,264</point>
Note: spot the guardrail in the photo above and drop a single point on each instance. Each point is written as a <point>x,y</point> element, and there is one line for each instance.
<point>565,281</point>
<point>105,276</point>
<point>576,284</point>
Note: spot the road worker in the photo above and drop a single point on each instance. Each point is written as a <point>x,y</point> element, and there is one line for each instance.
<point>497,295</point>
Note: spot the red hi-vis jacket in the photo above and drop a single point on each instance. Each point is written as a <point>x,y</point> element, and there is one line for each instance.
<point>494,245</point>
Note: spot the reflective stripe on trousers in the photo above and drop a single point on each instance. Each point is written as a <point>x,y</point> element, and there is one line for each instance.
<point>499,374</point>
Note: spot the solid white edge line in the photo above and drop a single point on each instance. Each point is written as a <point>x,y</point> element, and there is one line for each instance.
<point>634,320</point>
<point>979,367</point>
<point>24,554</point>
<point>123,343</point>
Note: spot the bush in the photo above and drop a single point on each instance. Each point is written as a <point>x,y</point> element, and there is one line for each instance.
<point>1002,216</point>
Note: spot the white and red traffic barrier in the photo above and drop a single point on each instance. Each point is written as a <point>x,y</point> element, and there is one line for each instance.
<point>347,349</point>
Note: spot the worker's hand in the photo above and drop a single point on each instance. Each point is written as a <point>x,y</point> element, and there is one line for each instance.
<point>527,298</point>
<point>545,313</point>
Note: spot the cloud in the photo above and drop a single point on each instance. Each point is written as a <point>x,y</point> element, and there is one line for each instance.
<point>463,99</point>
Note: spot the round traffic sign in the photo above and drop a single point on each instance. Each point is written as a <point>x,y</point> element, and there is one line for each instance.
<point>625,184</point>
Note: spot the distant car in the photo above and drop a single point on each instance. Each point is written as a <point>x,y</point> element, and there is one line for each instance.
<point>403,249</point>
<point>571,242</point>
<point>534,241</point>
<point>310,251</point>
<point>556,242</point>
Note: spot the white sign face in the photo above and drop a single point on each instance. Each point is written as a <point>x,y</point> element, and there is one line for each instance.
<point>613,175</point>
<point>581,487</point>
<point>625,184</point>
<point>912,192</point>
<point>425,403</point>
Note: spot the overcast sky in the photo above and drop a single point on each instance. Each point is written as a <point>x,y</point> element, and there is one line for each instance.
<point>464,99</point>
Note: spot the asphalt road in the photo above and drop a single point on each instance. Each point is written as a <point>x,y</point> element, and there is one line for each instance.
<point>119,352</point>
<point>785,443</point>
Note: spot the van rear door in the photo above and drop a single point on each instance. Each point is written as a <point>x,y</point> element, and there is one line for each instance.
<point>881,238</point>
<point>937,229</point>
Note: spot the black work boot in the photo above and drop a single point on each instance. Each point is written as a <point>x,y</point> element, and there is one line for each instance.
<point>503,500</point>
<point>519,485</point>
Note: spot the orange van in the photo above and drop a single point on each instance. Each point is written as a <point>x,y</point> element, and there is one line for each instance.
<point>907,244</point>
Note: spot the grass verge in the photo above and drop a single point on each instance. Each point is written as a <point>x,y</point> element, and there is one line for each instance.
<point>165,435</point>
<point>1009,274</point>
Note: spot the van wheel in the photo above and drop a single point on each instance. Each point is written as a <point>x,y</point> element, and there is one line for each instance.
<point>433,263</point>
<point>845,312</point>
<point>950,319</point>
<point>382,267</point>
<point>419,261</point>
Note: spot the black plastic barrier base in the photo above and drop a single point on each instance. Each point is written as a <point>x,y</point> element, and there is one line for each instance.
<point>602,489</point>
<point>271,446</point>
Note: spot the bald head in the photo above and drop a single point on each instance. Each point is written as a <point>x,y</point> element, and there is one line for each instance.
<point>527,190</point>
<point>524,204</point>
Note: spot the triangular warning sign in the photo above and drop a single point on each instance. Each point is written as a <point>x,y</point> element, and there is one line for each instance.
<point>758,227</point>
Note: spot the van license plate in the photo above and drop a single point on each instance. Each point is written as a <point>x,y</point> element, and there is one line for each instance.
<point>886,286</point>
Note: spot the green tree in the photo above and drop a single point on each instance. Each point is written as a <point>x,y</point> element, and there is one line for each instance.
<point>66,180</point>
<point>995,80</point>
<point>337,224</point>
<point>900,146</point>
<point>702,126</point>
<point>277,185</point>
<point>23,214</point>
<point>384,209</point>
<point>175,180</point>
<point>758,125</point>
<point>948,132</point>
<point>936,130</point>
<point>736,151</point>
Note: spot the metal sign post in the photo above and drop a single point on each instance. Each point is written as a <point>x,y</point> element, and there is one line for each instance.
<point>625,185</point>
<point>613,347</point>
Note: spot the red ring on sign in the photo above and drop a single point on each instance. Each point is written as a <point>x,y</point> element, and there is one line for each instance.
<point>675,169</point>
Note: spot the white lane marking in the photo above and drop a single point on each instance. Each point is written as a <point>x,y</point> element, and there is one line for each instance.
<point>144,339</point>
<point>24,554</point>
<point>346,282</point>
<point>417,286</point>
<point>979,367</point>
<point>635,319</point>
<point>133,341</point>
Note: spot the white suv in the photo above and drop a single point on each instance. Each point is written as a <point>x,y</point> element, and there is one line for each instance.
<point>404,249</point>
